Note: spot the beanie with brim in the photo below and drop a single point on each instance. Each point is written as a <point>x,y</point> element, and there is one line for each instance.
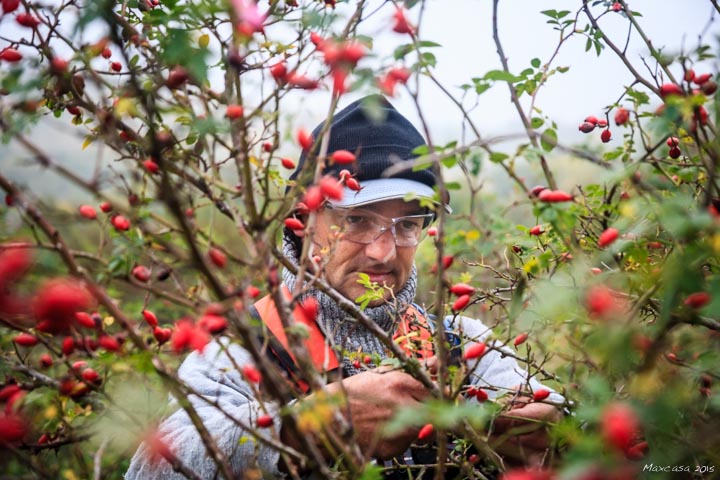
<point>383,142</point>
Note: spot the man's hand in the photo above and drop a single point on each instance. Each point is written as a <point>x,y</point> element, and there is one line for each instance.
<point>373,398</point>
<point>520,434</point>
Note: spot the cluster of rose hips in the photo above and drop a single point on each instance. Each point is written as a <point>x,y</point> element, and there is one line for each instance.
<point>589,124</point>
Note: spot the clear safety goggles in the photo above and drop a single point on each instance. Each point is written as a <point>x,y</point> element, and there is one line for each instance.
<point>363,226</point>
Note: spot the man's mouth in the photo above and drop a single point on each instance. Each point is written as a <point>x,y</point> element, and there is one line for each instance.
<point>379,277</point>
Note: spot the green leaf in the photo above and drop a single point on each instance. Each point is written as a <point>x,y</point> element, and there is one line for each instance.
<point>450,161</point>
<point>497,157</point>
<point>428,59</point>
<point>548,140</point>
<point>401,51</point>
<point>421,150</point>
<point>500,75</point>
<point>372,472</point>
<point>453,186</point>
<point>641,98</point>
<point>535,62</point>
<point>550,13</point>
<point>481,88</point>
<point>429,44</point>
<point>536,122</point>
<point>442,414</point>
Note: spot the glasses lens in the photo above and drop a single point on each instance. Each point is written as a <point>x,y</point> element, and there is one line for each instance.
<point>363,226</point>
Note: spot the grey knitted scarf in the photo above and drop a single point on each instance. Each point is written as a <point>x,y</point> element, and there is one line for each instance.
<point>344,332</point>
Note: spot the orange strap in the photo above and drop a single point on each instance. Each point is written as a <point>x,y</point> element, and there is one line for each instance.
<point>319,349</point>
<point>413,334</point>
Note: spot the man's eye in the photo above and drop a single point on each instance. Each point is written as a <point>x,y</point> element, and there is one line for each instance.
<point>408,225</point>
<point>355,220</point>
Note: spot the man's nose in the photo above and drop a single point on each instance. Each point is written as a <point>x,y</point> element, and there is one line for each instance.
<point>382,248</point>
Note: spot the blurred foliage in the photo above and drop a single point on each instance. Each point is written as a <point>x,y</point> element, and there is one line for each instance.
<point>631,321</point>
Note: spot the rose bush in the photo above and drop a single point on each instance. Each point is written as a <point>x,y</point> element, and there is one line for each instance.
<point>608,291</point>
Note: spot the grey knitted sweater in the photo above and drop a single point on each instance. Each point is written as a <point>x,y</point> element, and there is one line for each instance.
<point>213,375</point>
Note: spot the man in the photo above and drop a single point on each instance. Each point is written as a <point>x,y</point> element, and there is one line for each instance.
<point>371,233</point>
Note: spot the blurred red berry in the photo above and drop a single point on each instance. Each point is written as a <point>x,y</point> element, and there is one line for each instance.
<point>10,5</point>
<point>264,421</point>
<point>151,166</point>
<point>25,340</point>
<point>150,318</point>
<point>608,237</point>
<point>331,188</point>
<point>669,89</point>
<point>88,212</point>
<point>461,303</point>
<point>109,343</point>
<point>85,319</point>
<point>462,289</point>
<point>702,78</point>
<point>305,139</point>
<point>554,196</point>
<point>586,127</point>
<point>27,20</point>
<point>10,55</point>
<point>342,157</point>
<point>56,303</point>
<point>162,335</point>
<point>46,360</point>
<point>536,230</point>
<point>622,115</point>
<point>697,299</point>
<point>217,257</point>
<point>426,432</point>
<point>520,339</point>
<point>401,24</point>
<point>540,394</point>
<point>120,223</point>
<point>12,428</point>
<point>141,273</point>
<point>234,111</point>
<point>474,351</point>
<point>251,373</point>
<point>619,425</point>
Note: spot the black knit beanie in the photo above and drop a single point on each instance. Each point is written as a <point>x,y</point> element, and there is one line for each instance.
<point>380,138</point>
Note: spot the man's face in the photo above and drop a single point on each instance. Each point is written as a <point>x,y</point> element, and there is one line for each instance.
<point>384,262</point>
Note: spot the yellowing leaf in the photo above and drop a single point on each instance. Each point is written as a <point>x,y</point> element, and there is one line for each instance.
<point>204,40</point>
<point>50,412</point>
<point>120,367</point>
<point>87,142</point>
<point>107,321</point>
<point>532,265</point>
<point>715,243</point>
<point>647,385</point>
<point>125,106</point>
<point>316,412</point>
<point>627,210</point>
<point>472,236</point>
<point>69,475</point>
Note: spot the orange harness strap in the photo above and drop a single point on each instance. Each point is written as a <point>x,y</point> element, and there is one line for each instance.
<point>413,334</point>
<point>319,349</point>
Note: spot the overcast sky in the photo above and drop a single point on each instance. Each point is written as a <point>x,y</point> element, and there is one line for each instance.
<point>463,28</point>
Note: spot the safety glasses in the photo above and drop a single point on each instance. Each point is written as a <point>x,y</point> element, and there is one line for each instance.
<point>363,226</point>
